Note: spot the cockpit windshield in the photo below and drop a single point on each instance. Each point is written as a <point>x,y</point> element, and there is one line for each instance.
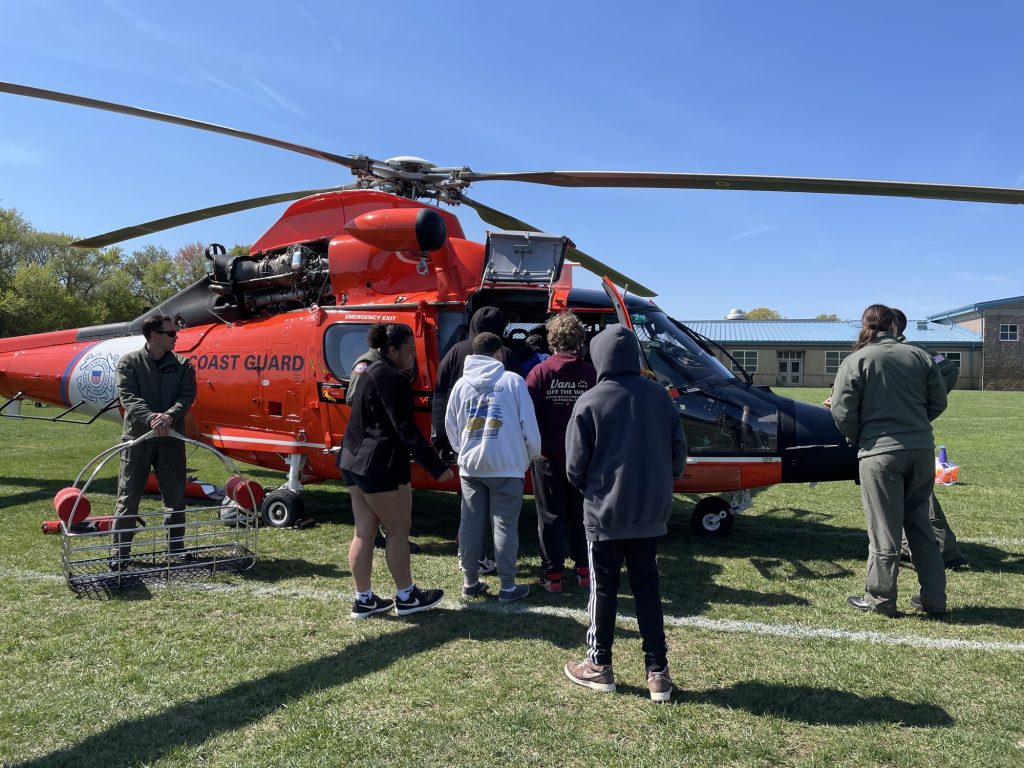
<point>676,359</point>
<point>717,419</point>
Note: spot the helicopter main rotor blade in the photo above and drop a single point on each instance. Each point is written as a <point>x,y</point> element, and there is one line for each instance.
<point>109,106</point>
<point>964,193</point>
<point>505,221</point>
<point>158,225</point>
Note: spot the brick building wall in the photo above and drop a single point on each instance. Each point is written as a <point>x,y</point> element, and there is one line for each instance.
<point>1004,360</point>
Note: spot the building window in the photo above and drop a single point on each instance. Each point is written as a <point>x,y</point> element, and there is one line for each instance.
<point>953,357</point>
<point>746,358</point>
<point>833,359</point>
<point>1008,332</point>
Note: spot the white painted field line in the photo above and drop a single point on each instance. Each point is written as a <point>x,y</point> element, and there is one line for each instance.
<point>730,626</point>
<point>793,631</point>
<point>864,535</point>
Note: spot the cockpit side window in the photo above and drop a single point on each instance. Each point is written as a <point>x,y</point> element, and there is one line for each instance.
<point>452,327</point>
<point>343,344</point>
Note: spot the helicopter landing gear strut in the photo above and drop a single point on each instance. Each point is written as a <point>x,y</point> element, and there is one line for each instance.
<point>285,507</point>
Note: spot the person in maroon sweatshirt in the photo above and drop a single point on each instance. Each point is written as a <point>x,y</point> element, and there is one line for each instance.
<point>555,385</point>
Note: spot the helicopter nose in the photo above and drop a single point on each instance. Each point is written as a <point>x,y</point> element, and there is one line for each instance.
<point>814,450</point>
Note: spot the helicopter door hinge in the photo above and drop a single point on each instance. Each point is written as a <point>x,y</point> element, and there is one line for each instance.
<point>420,319</point>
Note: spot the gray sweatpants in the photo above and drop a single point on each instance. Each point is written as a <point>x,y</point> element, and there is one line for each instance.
<point>500,499</point>
<point>895,489</point>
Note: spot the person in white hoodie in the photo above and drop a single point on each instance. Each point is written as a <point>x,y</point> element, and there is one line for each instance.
<point>492,426</point>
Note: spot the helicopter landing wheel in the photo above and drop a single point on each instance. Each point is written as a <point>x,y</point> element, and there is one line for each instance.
<point>712,516</point>
<point>282,508</point>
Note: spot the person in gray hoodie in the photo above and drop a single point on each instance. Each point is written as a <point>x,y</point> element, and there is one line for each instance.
<point>490,422</point>
<point>624,448</point>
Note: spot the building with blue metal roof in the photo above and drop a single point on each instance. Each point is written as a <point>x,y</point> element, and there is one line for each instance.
<point>999,323</point>
<point>808,353</point>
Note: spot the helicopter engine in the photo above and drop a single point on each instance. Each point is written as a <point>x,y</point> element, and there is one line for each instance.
<point>295,277</point>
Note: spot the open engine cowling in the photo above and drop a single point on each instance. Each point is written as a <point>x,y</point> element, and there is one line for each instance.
<point>295,277</point>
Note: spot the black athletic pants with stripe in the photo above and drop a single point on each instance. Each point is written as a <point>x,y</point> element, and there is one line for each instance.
<point>640,558</point>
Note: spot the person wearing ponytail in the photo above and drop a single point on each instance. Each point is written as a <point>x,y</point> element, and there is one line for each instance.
<point>885,396</point>
<point>374,463</point>
<point>376,338</point>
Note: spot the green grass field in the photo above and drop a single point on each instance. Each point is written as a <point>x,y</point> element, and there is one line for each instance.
<point>771,666</point>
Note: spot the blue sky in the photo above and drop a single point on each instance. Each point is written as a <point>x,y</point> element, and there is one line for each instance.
<point>917,91</point>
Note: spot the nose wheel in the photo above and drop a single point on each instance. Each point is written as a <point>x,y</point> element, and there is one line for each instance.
<point>282,508</point>
<point>712,516</point>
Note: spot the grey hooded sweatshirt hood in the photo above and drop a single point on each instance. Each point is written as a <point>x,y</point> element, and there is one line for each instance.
<point>624,445</point>
<point>615,351</point>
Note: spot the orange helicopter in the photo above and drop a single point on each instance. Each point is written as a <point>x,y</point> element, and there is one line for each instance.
<point>273,334</point>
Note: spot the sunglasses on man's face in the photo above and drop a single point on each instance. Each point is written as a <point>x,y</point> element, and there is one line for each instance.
<point>172,334</point>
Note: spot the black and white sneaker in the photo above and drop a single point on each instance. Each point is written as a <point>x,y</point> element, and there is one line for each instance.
<point>376,604</point>
<point>418,600</point>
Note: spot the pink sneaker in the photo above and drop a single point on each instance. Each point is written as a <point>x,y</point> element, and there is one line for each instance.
<point>551,582</point>
<point>583,577</point>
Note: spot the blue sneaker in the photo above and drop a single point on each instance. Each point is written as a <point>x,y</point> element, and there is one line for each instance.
<point>518,592</point>
<point>476,589</point>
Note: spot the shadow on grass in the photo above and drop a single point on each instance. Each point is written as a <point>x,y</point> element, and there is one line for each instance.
<point>985,557</point>
<point>44,490</point>
<point>820,706</point>
<point>148,739</point>
<point>274,569</point>
<point>769,537</point>
<point>983,614</point>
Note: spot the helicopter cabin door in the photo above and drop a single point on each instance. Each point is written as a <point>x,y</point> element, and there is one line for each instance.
<point>622,313</point>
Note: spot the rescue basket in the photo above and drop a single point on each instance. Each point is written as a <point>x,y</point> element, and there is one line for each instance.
<point>102,553</point>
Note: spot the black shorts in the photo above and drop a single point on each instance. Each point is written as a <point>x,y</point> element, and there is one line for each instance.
<point>368,484</point>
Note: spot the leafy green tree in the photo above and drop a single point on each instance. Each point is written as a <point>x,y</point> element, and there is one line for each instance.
<point>81,272</point>
<point>191,262</point>
<point>153,274</point>
<point>823,316</point>
<point>15,234</point>
<point>47,285</point>
<point>37,301</point>
<point>763,313</point>
<point>119,292</point>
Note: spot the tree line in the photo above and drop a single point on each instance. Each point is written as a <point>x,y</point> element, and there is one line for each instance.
<point>46,285</point>
<point>767,313</point>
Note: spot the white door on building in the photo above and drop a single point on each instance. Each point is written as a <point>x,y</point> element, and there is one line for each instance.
<point>791,369</point>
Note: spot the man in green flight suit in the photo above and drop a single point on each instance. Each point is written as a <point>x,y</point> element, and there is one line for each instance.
<point>156,388</point>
